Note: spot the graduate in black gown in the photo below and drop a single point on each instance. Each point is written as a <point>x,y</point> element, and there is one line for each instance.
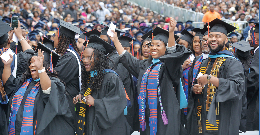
<point>68,66</point>
<point>159,111</point>
<point>37,101</point>
<point>253,83</point>
<point>102,93</point>
<point>19,59</point>
<point>216,108</point>
<point>243,49</point>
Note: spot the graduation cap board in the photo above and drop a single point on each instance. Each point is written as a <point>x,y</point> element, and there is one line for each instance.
<point>92,32</point>
<point>49,43</point>
<point>242,46</point>
<point>198,31</point>
<point>220,26</point>
<point>55,56</point>
<point>4,32</point>
<point>158,34</point>
<point>97,43</point>
<point>232,34</point>
<point>68,29</point>
<point>125,41</point>
<point>186,36</point>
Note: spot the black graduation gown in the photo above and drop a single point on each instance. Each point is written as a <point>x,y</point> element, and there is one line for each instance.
<point>245,59</point>
<point>169,77</point>
<point>3,119</point>
<point>228,94</point>
<point>126,77</point>
<point>68,72</point>
<point>253,94</point>
<point>106,117</point>
<point>50,110</point>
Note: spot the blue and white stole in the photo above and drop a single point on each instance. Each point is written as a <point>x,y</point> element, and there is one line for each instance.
<point>27,123</point>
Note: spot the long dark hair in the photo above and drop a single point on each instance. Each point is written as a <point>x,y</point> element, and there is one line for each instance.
<point>27,74</point>
<point>101,63</point>
<point>64,42</point>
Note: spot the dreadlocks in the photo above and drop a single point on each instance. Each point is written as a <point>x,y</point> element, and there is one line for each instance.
<point>64,42</point>
<point>101,63</point>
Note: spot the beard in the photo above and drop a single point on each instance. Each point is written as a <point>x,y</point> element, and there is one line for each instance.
<point>219,48</point>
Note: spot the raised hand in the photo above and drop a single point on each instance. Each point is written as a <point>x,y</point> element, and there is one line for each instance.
<point>114,37</point>
<point>172,25</point>
<point>38,61</point>
<point>9,62</point>
<point>18,31</point>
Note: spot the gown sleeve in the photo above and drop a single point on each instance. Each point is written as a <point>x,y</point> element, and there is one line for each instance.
<point>67,67</point>
<point>11,85</point>
<point>232,86</point>
<point>131,63</point>
<point>56,104</point>
<point>111,106</point>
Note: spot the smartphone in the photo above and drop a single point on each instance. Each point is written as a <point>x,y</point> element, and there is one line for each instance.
<point>14,22</point>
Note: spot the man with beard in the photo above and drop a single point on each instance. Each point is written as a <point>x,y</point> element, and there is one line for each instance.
<point>218,88</point>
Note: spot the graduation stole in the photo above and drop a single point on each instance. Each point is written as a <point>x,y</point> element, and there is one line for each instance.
<point>185,75</point>
<point>211,89</point>
<point>27,123</point>
<point>150,83</point>
<point>196,68</point>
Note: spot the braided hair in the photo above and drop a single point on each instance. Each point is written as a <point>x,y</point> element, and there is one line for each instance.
<point>64,42</point>
<point>101,63</point>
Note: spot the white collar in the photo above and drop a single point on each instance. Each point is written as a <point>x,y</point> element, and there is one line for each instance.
<point>256,49</point>
<point>205,56</point>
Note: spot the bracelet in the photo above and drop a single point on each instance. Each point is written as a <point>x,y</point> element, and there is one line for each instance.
<point>41,71</point>
<point>21,39</point>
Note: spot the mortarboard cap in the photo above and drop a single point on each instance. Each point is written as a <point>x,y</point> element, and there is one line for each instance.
<point>232,34</point>
<point>53,29</point>
<point>98,44</point>
<point>136,42</point>
<point>75,22</point>
<point>4,32</point>
<point>44,20</point>
<point>92,32</point>
<point>125,41</point>
<point>15,14</point>
<point>32,38</point>
<point>189,22</point>
<point>49,43</point>
<point>89,27</point>
<point>68,29</point>
<point>139,33</point>
<point>251,21</point>
<point>176,37</point>
<point>47,50</point>
<point>6,19</point>
<point>134,28</point>
<point>83,36</point>
<point>39,25</point>
<point>80,24</point>
<point>220,26</point>
<point>186,36</point>
<point>180,23</point>
<point>199,32</point>
<point>159,34</point>
<point>94,22</point>
<point>135,21</point>
<point>242,46</point>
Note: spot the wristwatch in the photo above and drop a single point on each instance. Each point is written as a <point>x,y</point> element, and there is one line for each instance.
<point>208,78</point>
<point>41,71</point>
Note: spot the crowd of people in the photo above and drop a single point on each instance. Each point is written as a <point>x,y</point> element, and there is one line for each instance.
<point>237,10</point>
<point>65,70</point>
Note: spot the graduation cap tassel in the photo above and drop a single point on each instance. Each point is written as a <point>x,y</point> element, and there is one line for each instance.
<point>137,55</point>
<point>87,43</point>
<point>253,36</point>
<point>58,32</point>
<point>16,48</point>
<point>152,35</point>
<point>133,48</point>
<point>51,65</point>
